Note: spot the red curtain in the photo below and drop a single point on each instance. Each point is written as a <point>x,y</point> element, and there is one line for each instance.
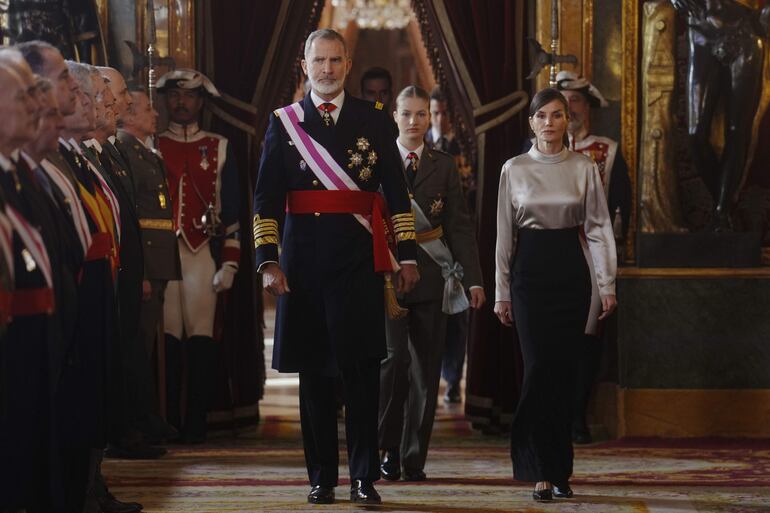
<point>251,50</point>
<point>476,49</point>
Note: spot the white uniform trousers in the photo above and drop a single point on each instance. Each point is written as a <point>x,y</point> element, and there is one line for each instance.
<point>190,303</point>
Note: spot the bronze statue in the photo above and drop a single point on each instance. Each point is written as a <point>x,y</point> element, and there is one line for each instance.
<point>727,41</point>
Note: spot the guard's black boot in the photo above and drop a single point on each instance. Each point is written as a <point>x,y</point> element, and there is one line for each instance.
<point>173,381</point>
<point>201,368</point>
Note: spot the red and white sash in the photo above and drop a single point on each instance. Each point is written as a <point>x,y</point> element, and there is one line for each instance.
<point>32,241</point>
<point>6,240</point>
<point>318,159</point>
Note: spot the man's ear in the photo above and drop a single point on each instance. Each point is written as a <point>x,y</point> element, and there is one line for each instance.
<point>303,63</point>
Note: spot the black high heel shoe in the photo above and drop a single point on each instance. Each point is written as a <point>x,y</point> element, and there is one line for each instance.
<point>544,495</point>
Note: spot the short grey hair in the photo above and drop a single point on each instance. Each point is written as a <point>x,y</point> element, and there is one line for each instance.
<point>82,75</point>
<point>327,33</point>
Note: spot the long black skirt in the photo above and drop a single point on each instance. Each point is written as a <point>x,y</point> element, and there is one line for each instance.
<point>551,293</point>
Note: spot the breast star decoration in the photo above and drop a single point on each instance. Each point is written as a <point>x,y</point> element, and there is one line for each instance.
<point>362,158</point>
<point>437,206</point>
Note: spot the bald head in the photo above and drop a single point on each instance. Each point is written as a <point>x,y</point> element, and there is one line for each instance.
<point>18,111</point>
<point>15,60</point>
<point>117,85</point>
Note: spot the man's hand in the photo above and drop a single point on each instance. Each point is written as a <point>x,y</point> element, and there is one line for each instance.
<point>146,290</point>
<point>407,278</point>
<point>504,313</point>
<point>274,281</point>
<point>478,297</point>
<point>609,303</point>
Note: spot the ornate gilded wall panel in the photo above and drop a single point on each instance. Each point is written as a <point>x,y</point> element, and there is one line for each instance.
<point>659,203</point>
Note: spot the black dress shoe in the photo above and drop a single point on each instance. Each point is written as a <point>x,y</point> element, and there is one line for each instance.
<point>414,475</point>
<point>452,395</point>
<point>321,495</point>
<point>562,491</point>
<point>390,468</point>
<point>363,492</point>
<point>136,450</point>
<point>156,430</point>
<point>109,496</point>
<point>110,504</point>
<point>543,495</point>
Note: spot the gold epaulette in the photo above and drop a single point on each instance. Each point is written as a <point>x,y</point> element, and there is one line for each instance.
<point>379,105</point>
<point>403,227</point>
<point>265,231</point>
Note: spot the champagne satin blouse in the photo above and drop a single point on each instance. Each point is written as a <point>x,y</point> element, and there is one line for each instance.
<point>542,191</point>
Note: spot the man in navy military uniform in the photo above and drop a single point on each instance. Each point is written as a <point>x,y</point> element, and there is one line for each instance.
<point>330,319</point>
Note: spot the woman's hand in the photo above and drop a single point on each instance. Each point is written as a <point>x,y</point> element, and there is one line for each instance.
<point>609,303</point>
<point>504,312</point>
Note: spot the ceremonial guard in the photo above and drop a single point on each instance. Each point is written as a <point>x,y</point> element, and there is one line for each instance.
<point>324,161</point>
<point>203,186</point>
<point>449,265</point>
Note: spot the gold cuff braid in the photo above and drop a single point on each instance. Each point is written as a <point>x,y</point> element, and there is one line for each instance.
<point>265,231</point>
<point>403,226</point>
<point>400,237</point>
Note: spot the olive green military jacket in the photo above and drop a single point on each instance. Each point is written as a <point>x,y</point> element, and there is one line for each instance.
<point>436,189</point>
<point>153,207</point>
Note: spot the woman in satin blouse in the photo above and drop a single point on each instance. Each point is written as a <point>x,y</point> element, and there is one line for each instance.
<point>546,197</point>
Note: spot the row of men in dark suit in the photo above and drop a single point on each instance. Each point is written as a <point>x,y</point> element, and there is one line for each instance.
<point>84,224</point>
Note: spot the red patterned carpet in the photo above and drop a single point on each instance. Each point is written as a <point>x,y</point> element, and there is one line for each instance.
<point>263,471</point>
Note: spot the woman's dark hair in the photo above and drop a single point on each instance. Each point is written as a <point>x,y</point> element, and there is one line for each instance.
<point>543,98</point>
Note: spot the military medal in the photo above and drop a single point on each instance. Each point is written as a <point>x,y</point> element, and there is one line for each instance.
<point>372,158</point>
<point>436,207</point>
<point>355,159</point>
<point>365,173</point>
<point>362,143</point>
<point>29,262</point>
<point>162,199</point>
<point>204,157</point>
<point>302,165</point>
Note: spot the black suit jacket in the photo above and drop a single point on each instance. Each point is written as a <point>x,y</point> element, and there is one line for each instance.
<point>334,313</point>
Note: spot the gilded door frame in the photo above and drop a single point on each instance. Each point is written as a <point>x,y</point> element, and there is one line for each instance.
<point>629,129</point>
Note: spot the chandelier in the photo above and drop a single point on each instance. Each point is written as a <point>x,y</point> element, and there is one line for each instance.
<point>373,14</point>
